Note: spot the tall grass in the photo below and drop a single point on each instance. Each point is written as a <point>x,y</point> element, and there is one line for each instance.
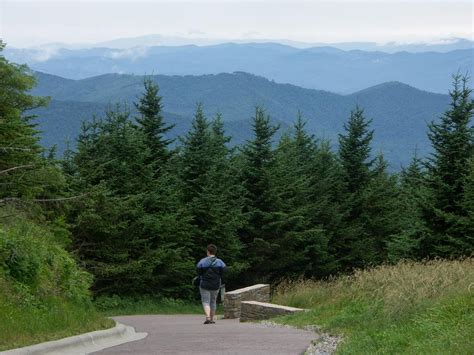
<point>412,308</point>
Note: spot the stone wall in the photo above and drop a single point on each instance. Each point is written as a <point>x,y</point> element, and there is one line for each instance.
<point>252,310</point>
<point>232,299</point>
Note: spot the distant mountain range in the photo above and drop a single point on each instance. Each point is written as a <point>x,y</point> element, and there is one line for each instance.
<point>328,68</point>
<point>400,112</point>
<point>152,40</point>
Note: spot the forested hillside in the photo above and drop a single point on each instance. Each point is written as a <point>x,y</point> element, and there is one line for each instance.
<point>399,112</point>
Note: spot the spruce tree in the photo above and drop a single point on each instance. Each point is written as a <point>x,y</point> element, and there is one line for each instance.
<point>329,199</point>
<point>354,248</point>
<point>381,210</point>
<point>131,231</point>
<point>258,234</point>
<point>302,242</point>
<point>23,170</point>
<point>354,151</point>
<point>453,143</point>
<point>466,224</point>
<point>407,243</point>
<point>196,159</point>
<point>152,123</point>
<point>212,193</point>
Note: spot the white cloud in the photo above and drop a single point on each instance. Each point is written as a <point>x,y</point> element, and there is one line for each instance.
<point>44,53</point>
<point>129,53</point>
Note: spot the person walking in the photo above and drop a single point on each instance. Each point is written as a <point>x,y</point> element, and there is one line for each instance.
<point>211,276</point>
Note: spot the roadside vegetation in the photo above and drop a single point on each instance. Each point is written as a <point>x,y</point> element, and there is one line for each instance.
<point>120,306</point>
<point>408,308</point>
<point>44,295</point>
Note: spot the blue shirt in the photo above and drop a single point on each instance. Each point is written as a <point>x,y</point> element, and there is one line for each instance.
<point>211,271</point>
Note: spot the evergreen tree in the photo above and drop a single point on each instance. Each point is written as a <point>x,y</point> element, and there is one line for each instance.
<point>196,156</point>
<point>152,123</point>
<point>131,231</point>
<point>328,197</point>
<point>381,210</point>
<point>302,244</point>
<point>453,142</point>
<point>213,195</point>
<point>466,224</point>
<point>354,248</point>
<point>406,244</point>
<point>354,151</point>
<point>24,173</point>
<point>258,234</point>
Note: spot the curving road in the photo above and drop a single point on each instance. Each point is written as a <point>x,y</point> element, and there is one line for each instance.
<point>185,334</point>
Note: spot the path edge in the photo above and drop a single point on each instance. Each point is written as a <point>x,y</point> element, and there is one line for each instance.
<point>84,343</point>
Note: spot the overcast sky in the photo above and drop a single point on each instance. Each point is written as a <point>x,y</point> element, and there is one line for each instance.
<point>27,23</point>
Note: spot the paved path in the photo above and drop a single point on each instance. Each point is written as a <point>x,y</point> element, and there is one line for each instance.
<point>185,334</point>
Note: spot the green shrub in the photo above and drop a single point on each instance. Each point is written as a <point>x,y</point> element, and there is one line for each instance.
<point>30,257</point>
<point>44,295</point>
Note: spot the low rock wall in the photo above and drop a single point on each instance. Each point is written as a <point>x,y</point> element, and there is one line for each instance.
<point>252,310</point>
<point>233,299</point>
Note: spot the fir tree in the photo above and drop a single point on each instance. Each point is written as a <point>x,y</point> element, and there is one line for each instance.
<point>132,231</point>
<point>213,195</point>
<point>354,151</point>
<point>22,168</point>
<point>302,242</point>
<point>406,244</point>
<point>196,159</point>
<point>466,224</point>
<point>152,123</point>
<point>380,214</point>
<point>354,248</point>
<point>258,234</point>
<point>453,142</point>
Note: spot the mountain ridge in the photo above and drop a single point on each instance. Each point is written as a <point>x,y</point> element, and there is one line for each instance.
<point>399,112</point>
<point>324,68</point>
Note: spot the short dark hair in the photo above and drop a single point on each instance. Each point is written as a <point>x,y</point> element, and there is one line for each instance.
<point>212,249</point>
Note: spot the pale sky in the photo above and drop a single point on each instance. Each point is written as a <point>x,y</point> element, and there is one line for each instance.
<point>28,23</point>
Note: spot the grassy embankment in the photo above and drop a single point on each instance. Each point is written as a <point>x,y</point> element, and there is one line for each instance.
<point>409,308</point>
<point>121,306</point>
<point>43,293</point>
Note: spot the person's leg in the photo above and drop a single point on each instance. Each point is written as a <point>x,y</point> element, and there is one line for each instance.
<point>206,300</point>
<point>212,304</point>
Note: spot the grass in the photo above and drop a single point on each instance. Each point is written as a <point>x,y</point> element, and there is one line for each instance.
<point>44,295</point>
<point>27,323</point>
<point>408,308</point>
<point>115,306</point>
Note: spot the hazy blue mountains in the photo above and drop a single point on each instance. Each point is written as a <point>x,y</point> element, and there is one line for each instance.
<point>400,112</point>
<point>328,68</point>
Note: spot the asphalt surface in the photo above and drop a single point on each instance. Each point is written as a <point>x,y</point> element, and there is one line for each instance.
<point>186,334</point>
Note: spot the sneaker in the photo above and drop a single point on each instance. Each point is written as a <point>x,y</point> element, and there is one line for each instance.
<point>208,321</point>
<point>213,322</point>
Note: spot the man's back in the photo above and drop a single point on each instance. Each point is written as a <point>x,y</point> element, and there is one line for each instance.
<point>211,269</point>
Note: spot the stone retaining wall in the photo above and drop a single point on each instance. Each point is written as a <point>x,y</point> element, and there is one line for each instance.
<point>233,299</point>
<point>252,310</point>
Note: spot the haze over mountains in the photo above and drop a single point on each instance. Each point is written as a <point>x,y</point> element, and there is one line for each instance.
<point>401,87</point>
<point>323,68</point>
<point>400,112</point>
